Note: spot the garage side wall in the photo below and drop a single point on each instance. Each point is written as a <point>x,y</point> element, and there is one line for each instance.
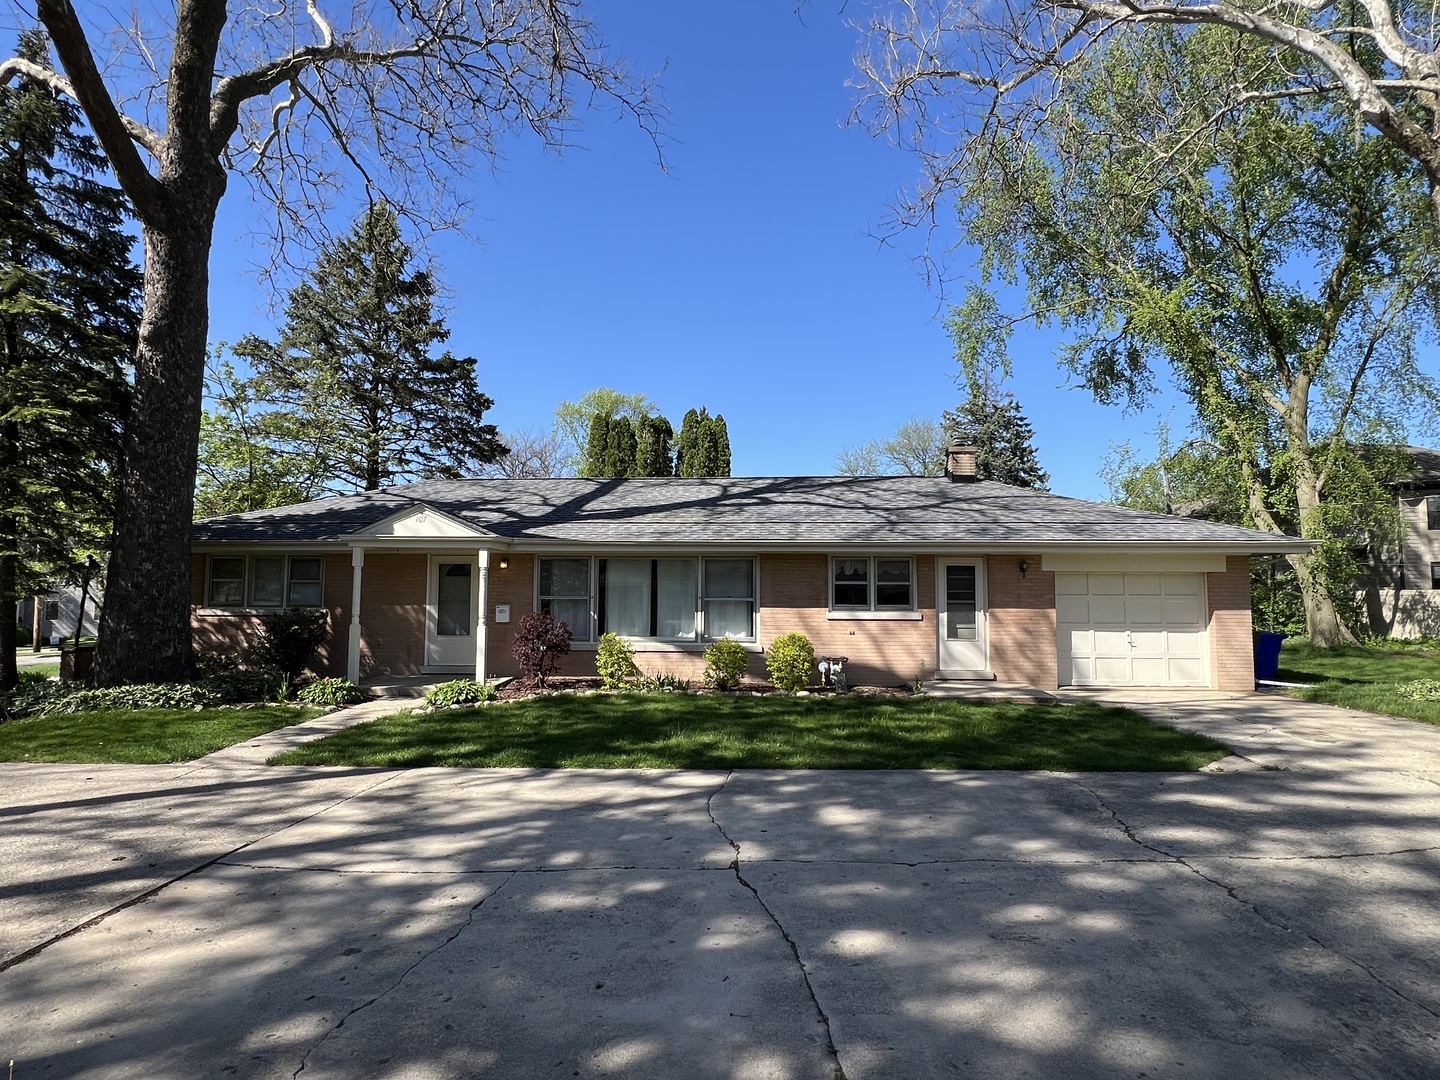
<point>1022,622</point>
<point>1232,655</point>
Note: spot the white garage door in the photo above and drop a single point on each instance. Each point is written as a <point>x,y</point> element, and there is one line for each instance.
<point>1131,629</point>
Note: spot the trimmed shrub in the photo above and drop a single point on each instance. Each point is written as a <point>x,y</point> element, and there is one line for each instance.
<point>615,661</point>
<point>330,692</point>
<point>460,692</point>
<point>245,684</point>
<point>540,642</point>
<point>289,638</point>
<point>790,661</point>
<point>726,663</point>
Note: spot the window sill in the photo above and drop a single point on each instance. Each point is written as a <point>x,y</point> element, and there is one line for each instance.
<point>217,611</point>
<point>651,645</point>
<point>875,616</point>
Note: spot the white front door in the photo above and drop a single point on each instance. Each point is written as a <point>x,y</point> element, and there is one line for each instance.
<point>450,613</point>
<point>960,615</point>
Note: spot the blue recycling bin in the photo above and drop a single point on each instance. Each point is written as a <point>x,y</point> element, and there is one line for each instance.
<point>1267,654</point>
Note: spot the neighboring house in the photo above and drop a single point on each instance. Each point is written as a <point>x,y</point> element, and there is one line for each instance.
<point>59,611</point>
<point>1401,588</point>
<point>906,576</point>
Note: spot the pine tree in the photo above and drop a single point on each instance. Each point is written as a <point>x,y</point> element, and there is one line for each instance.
<point>353,369</point>
<point>686,445</point>
<point>653,457</point>
<point>1003,437</point>
<point>69,315</point>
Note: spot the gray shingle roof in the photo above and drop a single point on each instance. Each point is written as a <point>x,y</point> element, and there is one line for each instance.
<point>808,510</point>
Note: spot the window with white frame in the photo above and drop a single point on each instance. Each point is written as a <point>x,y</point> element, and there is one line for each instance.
<point>266,581</point>
<point>564,593</point>
<point>872,583</point>
<point>729,599</point>
<point>1432,512</point>
<point>664,599</point>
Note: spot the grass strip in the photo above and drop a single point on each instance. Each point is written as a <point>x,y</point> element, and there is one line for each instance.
<point>139,736</point>
<point>633,731</point>
<point>1363,678</point>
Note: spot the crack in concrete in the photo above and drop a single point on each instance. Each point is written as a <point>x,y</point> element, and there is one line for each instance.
<point>469,920</point>
<point>473,872</point>
<point>150,894</point>
<point>1268,920</point>
<point>822,1018</point>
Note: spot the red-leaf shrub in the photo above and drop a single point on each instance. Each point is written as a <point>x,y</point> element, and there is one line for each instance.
<point>540,641</point>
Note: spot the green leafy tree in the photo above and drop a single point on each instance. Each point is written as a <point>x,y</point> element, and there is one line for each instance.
<point>1279,270</point>
<point>1004,441</point>
<point>69,314</point>
<point>353,374</point>
<point>405,97</point>
<point>916,449</point>
<point>574,423</point>
<point>239,468</point>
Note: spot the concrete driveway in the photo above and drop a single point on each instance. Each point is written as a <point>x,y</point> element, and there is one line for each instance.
<point>1280,918</point>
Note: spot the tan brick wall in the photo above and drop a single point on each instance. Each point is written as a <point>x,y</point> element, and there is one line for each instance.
<point>1022,621</point>
<point>1232,656</point>
<point>795,597</point>
<point>515,585</point>
<point>234,633</point>
<point>392,613</point>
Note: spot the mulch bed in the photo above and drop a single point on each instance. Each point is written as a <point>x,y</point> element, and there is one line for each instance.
<point>516,689</point>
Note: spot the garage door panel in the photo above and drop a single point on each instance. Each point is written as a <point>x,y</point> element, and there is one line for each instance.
<point>1142,584</point>
<point>1145,611</point>
<point>1136,629</point>
<point>1107,610</point>
<point>1110,643</point>
<point>1110,670</point>
<point>1182,585</point>
<point>1188,672</point>
<point>1183,611</point>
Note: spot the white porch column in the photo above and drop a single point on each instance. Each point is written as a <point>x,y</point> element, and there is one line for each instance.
<point>352,658</point>
<point>481,607</point>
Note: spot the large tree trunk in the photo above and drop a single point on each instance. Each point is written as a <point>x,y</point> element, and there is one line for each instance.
<point>145,622</point>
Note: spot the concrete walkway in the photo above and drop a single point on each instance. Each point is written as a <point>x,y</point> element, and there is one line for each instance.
<point>226,919</point>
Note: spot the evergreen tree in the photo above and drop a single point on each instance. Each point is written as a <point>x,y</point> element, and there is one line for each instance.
<point>620,445</point>
<point>69,315</point>
<point>353,372</point>
<point>592,462</point>
<point>703,448</point>
<point>994,424</point>
<point>653,457</point>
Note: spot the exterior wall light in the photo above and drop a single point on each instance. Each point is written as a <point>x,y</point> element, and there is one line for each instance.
<point>1024,565</point>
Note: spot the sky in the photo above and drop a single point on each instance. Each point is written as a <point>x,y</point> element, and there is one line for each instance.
<point>746,279</point>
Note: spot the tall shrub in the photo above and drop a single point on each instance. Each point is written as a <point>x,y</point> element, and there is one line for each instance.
<point>790,661</point>
<point>540,641</point>
<point>289,638</point>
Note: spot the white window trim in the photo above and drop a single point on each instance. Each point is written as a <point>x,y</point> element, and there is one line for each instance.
<point>872,610</point>
<point>694,643</point>
<point>247,584</point>
<point>592,617</point>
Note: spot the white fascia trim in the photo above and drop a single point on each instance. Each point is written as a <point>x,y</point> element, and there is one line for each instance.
<point>292,547</point>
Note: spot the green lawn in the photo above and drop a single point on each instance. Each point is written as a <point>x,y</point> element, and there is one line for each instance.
<point>722,732</point>
<point>141,736</point>
<point>1358,677</point>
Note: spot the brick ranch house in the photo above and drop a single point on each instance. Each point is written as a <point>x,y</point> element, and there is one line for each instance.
<point>942,576</point>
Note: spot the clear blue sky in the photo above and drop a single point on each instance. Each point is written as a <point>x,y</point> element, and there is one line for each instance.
<point>744,280</point>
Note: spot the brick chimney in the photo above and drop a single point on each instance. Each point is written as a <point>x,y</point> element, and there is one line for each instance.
<point>960,461</point>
